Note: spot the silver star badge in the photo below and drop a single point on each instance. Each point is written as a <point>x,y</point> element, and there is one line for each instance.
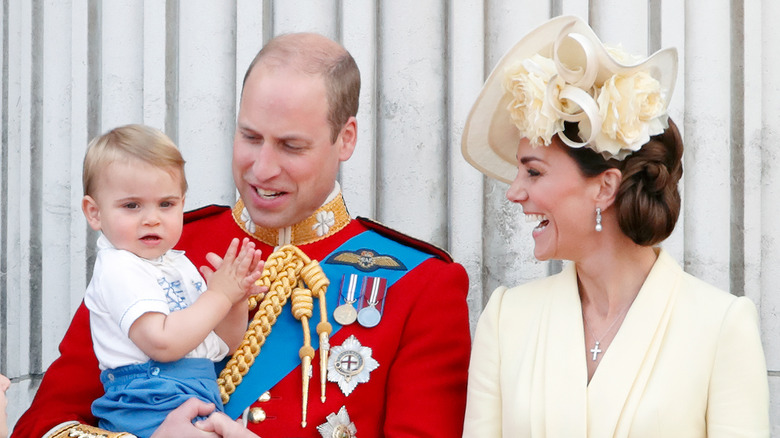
<point>338,426</point>
<point>349,364</point>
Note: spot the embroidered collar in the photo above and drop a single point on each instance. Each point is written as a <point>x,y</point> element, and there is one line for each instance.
<point>329,219</point>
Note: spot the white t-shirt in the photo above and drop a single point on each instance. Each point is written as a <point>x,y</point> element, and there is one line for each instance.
<point>125,286</point>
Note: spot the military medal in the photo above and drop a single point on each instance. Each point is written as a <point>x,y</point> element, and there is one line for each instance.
<point>349,364</point>
<point>345,314</point>
<point>338,425</point>
<point>373,295</point>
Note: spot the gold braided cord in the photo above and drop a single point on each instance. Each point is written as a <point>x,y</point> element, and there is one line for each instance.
<point>302,303</point>
<point>286,269</point>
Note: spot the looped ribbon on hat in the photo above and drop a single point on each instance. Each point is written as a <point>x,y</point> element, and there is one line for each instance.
<point>576,82</point>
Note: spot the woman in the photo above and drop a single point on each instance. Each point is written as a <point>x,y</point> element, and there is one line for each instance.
<point>622,342</point>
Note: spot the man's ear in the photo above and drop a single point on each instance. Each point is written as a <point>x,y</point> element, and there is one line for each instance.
<point>609,183</point>
<point>348,139</point>
<point>91,212</point>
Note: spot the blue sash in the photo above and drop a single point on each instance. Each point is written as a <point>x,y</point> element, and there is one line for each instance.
<point>279,355</point>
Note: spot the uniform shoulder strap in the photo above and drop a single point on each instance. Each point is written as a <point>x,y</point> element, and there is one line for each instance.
<point>405,239</point>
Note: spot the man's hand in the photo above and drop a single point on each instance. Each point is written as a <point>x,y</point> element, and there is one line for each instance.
<point>224,426</point>
<point>178,423</point>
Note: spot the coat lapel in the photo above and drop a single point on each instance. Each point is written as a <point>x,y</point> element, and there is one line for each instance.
<point>561,370</point>
<point>616,387</point>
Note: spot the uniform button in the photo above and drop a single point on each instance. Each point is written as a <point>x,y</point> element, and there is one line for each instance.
<point>265,397</point>
<point>111,377</point>
<point>155,371</point>
<point>256,415</point>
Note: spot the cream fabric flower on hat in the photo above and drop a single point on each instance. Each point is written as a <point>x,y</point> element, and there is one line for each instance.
<point>625,110</point>
<point>530,108</point>
<point>632,110</point>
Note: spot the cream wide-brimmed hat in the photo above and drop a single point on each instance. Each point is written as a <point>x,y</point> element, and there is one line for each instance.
<point>559,72</point>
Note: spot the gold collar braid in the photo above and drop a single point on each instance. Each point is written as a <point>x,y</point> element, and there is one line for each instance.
<point>287,272</point>
<point>327,220</point>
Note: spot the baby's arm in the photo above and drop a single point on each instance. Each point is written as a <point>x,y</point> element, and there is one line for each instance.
<point>167,338</point>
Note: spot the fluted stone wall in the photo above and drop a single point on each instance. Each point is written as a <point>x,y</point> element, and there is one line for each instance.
<point>72,69</point>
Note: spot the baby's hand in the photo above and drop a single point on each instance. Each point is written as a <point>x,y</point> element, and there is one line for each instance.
<point>236,273</point>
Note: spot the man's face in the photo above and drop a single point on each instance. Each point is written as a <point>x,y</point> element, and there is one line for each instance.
<point>284,163</point>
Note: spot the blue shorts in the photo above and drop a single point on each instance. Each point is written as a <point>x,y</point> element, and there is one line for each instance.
<point>138,397</point>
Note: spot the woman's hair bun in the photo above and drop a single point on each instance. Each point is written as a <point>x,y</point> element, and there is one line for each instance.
<point>648,202</point>
<point>656,177</point>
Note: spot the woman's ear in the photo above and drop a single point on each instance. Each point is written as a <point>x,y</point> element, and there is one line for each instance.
<point>609,183</point>
<point>91,211</point>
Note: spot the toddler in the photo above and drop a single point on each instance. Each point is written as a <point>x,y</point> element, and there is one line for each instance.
<point>157,330</point>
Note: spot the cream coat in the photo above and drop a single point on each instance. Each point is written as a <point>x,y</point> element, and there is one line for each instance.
<point>686,362</point>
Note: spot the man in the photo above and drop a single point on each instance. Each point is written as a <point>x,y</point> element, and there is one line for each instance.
<point>396,308</point>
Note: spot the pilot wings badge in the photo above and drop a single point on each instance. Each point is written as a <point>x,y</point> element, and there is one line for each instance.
<point>366,260</point>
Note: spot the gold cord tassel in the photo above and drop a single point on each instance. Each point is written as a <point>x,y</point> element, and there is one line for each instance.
<point>324,329</point>
<point>302,306</point>
<point>286,268</point>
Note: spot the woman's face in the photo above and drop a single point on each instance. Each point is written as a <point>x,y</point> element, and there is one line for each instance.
<point>4,385</point>
<point>558,197</point>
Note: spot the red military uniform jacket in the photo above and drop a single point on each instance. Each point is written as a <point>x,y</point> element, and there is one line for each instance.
<point>421,344</point>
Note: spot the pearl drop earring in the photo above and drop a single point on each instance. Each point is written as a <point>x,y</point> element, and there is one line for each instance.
<point>598,219</point>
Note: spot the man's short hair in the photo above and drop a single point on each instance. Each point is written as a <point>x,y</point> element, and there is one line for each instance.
<point>139,142</point>
<point>316,55</point>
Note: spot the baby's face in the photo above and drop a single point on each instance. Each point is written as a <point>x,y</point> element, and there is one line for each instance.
<point>138,207</point>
